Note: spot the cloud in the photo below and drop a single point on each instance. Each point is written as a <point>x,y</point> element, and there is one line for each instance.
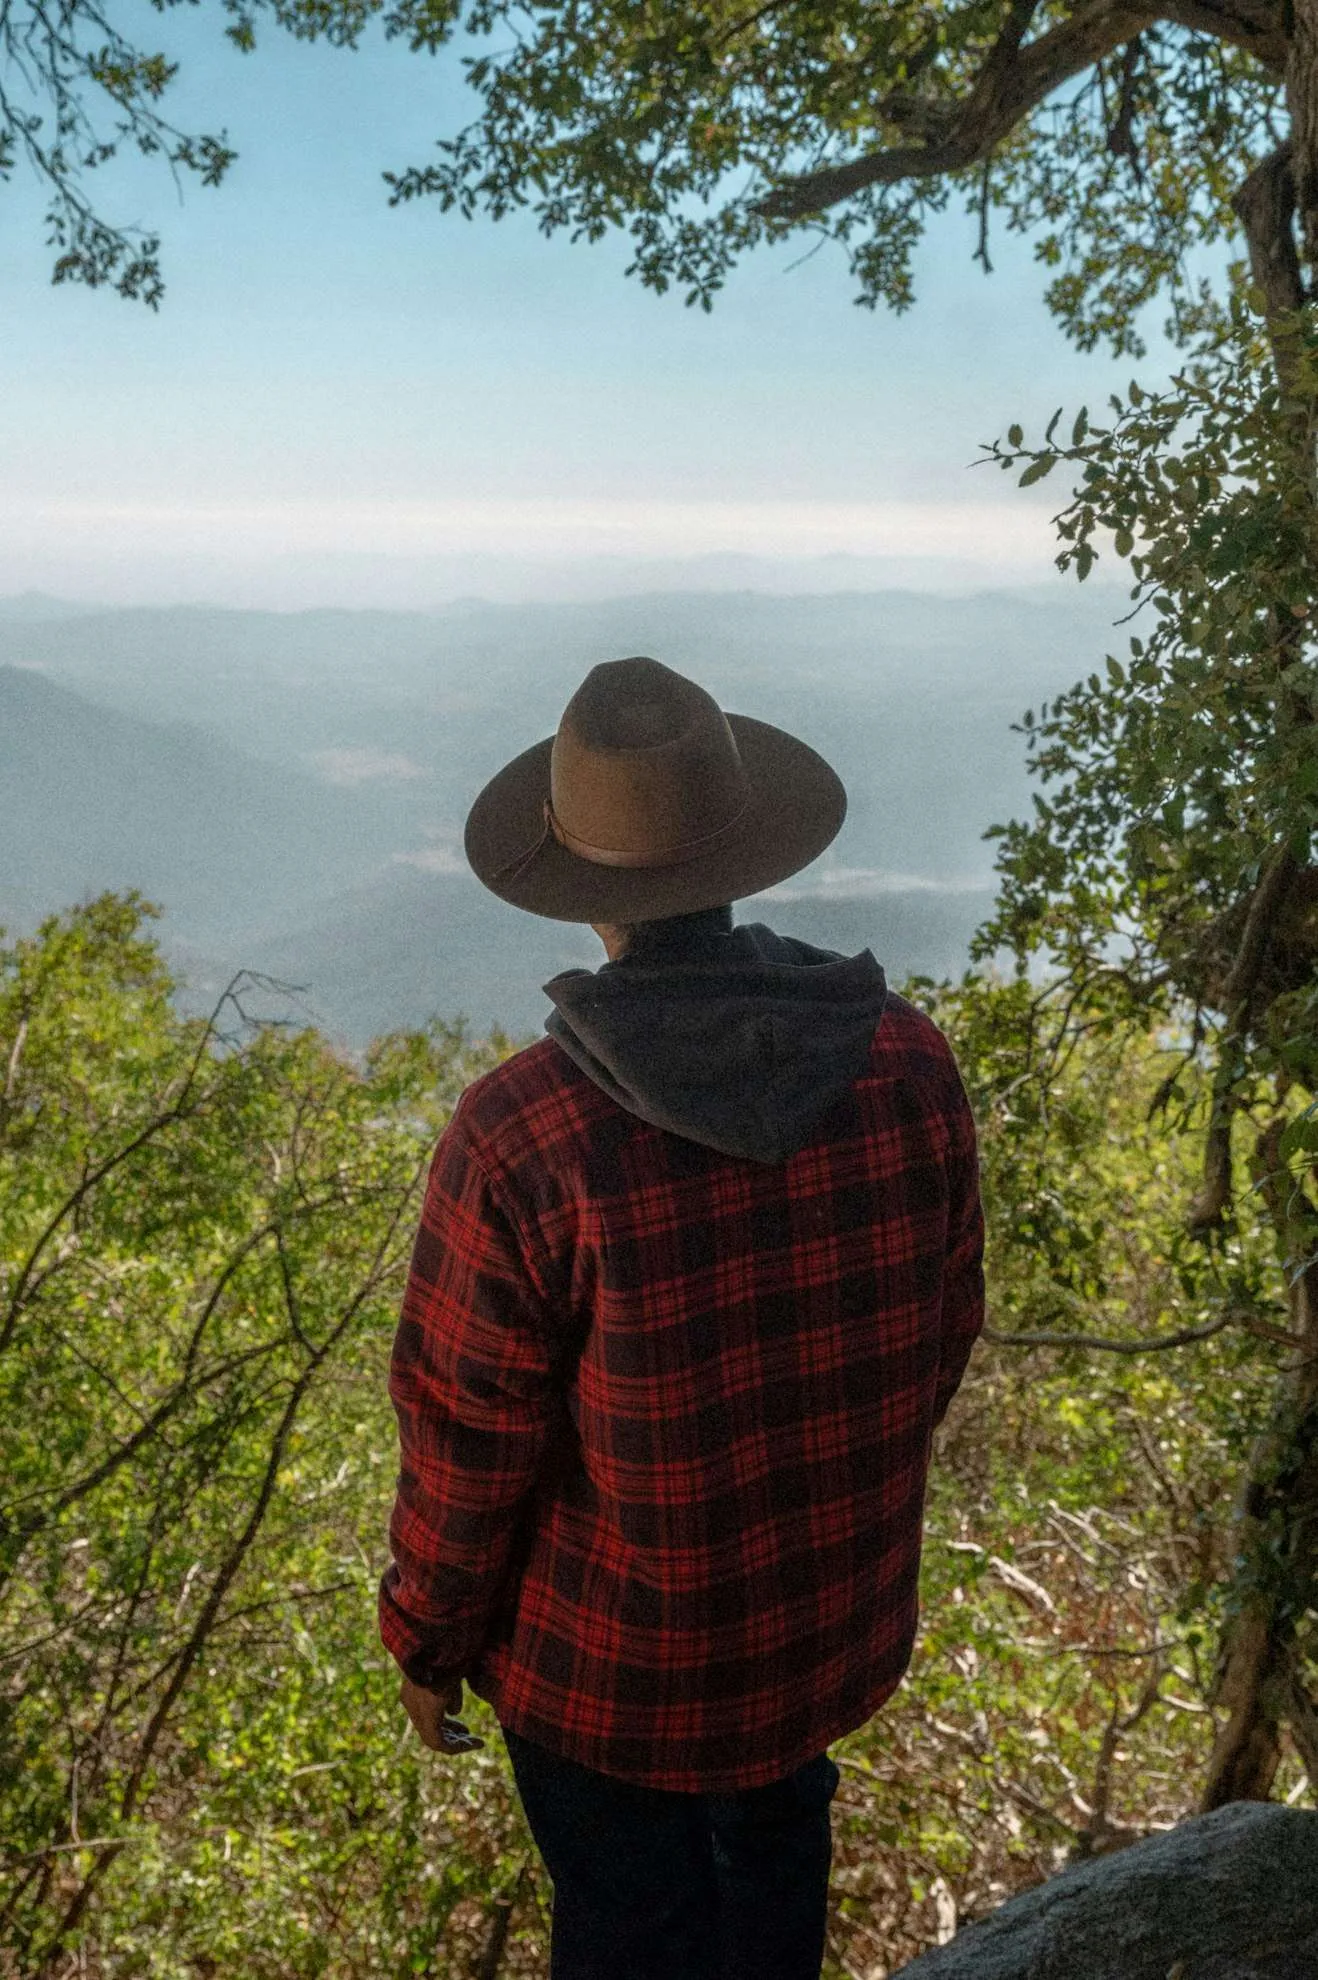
<point>436,859</point>
<point>840,883</point>
<point>400,555</point>
<point>545,526</point>
<point>853,883</point>
<point>357,766</point>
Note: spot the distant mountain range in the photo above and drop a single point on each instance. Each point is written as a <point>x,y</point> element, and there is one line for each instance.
<point>30,607</point>
<point>91,798</point>
<point>291,787</point>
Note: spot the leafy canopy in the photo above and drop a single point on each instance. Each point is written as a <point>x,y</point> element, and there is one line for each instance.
<point>1117,134</point>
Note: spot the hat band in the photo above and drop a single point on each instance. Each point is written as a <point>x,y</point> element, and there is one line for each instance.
<point>610,855</point>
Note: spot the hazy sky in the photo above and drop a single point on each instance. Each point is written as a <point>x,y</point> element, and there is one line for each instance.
<point>342,403</point>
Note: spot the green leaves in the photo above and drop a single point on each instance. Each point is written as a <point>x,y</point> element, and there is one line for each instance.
<point>1041,465</point>
<point>1210,728</point>
<point>1166,885</point>
<point>201,1253</point>
<point>681,124</point>
<point>1300,1136</point>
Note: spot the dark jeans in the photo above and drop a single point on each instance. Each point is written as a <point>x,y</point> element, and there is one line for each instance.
<point>654,1885</point>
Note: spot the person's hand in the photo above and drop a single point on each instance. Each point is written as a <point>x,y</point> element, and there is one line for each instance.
<point>428,1709</point>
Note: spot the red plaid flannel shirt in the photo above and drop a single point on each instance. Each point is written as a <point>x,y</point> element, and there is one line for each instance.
<point>665,1415</point>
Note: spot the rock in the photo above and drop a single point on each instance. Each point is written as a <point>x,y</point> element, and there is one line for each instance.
<point>1228,1896</point>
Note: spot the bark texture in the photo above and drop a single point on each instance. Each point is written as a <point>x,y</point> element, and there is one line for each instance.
<point>1259,1682</point>
<point>1302,104</point>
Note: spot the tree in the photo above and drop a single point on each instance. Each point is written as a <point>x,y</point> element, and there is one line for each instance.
<point>1123,130</point>
<point>1170,878</point>
<point>204,1226</point>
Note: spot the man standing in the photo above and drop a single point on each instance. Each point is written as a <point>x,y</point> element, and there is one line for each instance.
<point>696,1278</point>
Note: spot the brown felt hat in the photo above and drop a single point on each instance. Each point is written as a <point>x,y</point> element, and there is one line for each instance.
<point>649,802</point>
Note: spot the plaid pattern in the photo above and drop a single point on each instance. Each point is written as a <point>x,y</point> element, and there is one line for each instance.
<point>665,1414</point>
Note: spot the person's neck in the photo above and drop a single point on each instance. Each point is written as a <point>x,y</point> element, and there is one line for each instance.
<point>676,936</point>
<point>616,940</point>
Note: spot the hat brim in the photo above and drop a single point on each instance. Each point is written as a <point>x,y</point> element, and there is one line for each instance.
<point>796,808</point>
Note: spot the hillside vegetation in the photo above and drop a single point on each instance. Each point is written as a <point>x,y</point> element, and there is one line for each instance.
<point>203,1765</point>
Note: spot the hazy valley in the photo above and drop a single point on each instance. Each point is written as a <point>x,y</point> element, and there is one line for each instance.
<point>291,788</point>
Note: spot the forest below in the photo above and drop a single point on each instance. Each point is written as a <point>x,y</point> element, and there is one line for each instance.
<point>205,1227</point>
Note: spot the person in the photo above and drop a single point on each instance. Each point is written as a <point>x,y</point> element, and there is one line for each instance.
<point>696,1277</point>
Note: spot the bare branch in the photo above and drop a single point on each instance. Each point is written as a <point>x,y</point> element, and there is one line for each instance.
<point>1155,1346</point>
<point>1269,897</point>
<point>209,1615</point>
<point>1121,136</point>
<point>1173,1493</point>
<point>982,250</point>
<point>1302,1718</point>
<point>501,1918</point>
<point>734,28</point>
<point>188,1383</point>
<point>15,1055</point>
<point>1099,1829</point>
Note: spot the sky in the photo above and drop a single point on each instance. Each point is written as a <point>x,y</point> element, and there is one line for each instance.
<point>340,403</point>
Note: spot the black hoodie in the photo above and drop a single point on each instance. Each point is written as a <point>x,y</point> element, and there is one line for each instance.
<point>737,1038</point>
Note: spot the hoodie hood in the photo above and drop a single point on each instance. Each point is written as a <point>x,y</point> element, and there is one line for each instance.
<point>736,1038</point>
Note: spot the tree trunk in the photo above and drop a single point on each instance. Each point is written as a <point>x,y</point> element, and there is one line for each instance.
<point>1302,107</point>
<point>1258,1682</point>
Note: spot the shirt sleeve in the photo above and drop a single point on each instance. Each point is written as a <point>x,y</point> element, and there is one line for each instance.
<point>470,1380</point>
<point>963,1270</point>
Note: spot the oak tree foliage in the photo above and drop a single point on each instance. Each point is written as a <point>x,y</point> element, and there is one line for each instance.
<point>1117,134</point>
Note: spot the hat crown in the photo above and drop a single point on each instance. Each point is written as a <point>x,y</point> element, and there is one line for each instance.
<point>644,770</point>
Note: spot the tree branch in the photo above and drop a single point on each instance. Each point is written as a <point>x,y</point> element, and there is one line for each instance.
<point>1269,897</point>
<point>11,1073</point>
<point>1121,135</point>
<point>1302,103</point>
<point>1014,80</point>
<point>1180,1339</point>
<point>1302,1718</point>
<point>180,1108</point>
<point>210,1612</point>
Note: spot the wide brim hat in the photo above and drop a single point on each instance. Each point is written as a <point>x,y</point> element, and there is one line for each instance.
<point>650,801</point>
